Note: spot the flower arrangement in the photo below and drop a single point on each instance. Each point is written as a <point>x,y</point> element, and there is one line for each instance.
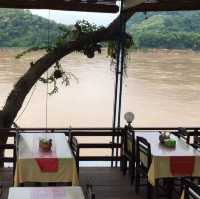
<point>45,144</point>
<point>164,136</point>
<point>166,140</point>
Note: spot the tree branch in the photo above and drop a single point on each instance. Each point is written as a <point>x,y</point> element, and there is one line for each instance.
<point>16,97</point>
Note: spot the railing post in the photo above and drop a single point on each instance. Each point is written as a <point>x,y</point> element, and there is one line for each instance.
<point>118,80</point>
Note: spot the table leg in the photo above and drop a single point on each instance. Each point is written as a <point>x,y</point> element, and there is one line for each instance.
<point>170,186</point>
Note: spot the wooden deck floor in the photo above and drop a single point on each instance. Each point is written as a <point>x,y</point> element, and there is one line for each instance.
<point>108,183</point>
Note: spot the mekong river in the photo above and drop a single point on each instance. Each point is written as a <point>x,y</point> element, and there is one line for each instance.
<point>162,88</point>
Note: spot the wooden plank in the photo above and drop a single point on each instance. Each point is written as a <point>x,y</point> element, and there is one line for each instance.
<point>7,146</point>
<point>95,130</point>
<point>59,5</point>
<point>109,183</point>
<point>99,145</point>
<point>7,133</point>
<point>99,158</point>
<point>5,159</point>
<point>180,5</point>
<point>93,133</point>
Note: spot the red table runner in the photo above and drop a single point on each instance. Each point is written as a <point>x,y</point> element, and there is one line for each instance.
<point>182,166</point>
<point>47,161</point>
<point>48,164</point>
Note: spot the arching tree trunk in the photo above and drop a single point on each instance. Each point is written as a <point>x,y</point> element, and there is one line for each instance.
<point>17,96</point>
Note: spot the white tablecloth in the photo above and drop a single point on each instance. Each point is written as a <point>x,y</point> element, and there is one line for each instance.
<point>27,169</point>
<point>46,192</point>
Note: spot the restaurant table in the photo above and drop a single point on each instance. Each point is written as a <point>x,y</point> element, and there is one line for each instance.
<point>28,168</point>
<point>73,192</point>
<point>181,161</point>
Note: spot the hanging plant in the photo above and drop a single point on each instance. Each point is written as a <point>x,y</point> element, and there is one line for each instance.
<point>84,27</point>
<point>112,49</point>
<point>58,73</point>
<point>89,50</point>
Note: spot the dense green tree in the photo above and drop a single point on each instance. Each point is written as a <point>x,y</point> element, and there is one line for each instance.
<point>172,30</point>
<point>19,28</point>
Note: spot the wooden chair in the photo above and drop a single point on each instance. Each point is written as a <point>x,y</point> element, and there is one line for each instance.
<point>75,149</point>
<point>143,162</point>
<point>11,159</point>
<point>128,154</point>
<point>191,137</point>
<point>89,194</point>
<point>194,138</point>
<point>1,191</point>
<point>181,133</point>
<point>8,160</point>
<point>191,190</point>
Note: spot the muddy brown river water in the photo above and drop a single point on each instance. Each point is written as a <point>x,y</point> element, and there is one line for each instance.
<point>162,88</point>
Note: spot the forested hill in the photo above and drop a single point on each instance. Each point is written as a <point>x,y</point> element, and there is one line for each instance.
<point>170,30</point>
<point>19,28</point>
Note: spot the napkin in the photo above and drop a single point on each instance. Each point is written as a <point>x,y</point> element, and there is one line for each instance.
<point>182,165</point>
<point>48,164</point>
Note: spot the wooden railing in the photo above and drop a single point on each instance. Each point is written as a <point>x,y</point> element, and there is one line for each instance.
<point>82,132</point>
<point>115,146</point>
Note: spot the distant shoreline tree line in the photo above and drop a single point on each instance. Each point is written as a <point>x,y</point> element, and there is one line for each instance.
<point>170,30</point>
<point>171,40</point>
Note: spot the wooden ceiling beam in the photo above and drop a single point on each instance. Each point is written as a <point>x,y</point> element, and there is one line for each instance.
<point>168,5</point>
<point>59,5</point>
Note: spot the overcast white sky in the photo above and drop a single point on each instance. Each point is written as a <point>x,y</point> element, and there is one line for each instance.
<point>69,17</point>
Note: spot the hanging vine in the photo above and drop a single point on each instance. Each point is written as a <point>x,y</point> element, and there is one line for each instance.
<point>112,50</point>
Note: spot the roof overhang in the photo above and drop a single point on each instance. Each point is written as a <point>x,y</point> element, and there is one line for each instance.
<point>162,5</point>
<point>108,6</point>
